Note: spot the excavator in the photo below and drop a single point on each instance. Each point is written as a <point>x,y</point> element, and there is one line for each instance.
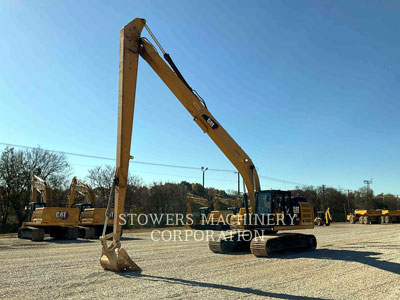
<point>225,203</point>
<point>58,222</point>
<point>224,209</point>
<point>195,221</point>
<point>210,217</point>
<point>273,208</point>
<point>91,220</point>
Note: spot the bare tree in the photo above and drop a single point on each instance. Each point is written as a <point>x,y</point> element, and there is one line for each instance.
<point>12,182</point>
<point>100,178</point>
<point>52,167</point>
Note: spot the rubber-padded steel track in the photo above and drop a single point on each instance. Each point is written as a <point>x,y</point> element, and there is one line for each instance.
<point>268,245</point>
<point>237,241</point>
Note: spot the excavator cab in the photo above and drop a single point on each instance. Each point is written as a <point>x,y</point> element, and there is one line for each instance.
<point>30,208</point>
<point>82,206</point>
<point>204,212</point>
<point>273,202</point>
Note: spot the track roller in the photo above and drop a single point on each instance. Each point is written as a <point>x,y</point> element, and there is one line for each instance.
<point>268,245</point>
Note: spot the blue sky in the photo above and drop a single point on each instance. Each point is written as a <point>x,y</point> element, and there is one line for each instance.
<point>309,89</point>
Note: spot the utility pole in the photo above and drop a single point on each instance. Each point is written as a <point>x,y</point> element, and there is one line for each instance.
<point>238,182</point>
<point>203,169</point>
<point>368,183</point>
<point>348,199</point>
<point>397,197</point>
<point>323,196</point>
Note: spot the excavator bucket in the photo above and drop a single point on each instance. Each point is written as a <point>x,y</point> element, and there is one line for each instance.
<point>116,259</point>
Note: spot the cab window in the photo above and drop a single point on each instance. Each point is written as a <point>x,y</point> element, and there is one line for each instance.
<point>264,203</point>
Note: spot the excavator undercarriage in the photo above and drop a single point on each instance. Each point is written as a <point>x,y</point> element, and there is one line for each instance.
<point>262,244</point>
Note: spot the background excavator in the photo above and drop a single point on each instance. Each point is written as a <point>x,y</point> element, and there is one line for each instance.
<point>211,217</point>
<point>58,222</point>
<point>323,218</point>
<point>224,209</point>
<point>259,204</point>
<point>221,202</point>
<point>204,208</point>
<point>91,220</point>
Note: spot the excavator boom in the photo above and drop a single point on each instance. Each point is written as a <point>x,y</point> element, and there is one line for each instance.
<point>39,185</point>
<point>203,118</point>
<point>78,186</point>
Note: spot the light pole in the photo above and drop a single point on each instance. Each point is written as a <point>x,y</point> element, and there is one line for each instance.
<point>203,169</point>
<point>238,182</point>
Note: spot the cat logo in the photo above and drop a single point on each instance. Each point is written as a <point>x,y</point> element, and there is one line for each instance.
<point>61,215</point>
<point>210,121</point>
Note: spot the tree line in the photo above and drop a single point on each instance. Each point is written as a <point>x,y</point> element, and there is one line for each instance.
<point>18,166</point>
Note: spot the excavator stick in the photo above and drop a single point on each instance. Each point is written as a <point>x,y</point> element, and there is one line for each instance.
<point>115,258</point>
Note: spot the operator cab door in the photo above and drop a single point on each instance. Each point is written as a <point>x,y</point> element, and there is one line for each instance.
<point>282,204</point>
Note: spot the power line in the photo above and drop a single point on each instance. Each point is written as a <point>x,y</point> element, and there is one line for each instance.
<point>148,163</point>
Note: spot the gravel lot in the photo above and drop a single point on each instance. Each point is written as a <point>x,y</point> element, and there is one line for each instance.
<point>351,262</point>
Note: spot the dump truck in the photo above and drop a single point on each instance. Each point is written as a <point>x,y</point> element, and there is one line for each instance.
<point>390,216</point>
<point>365,216</point>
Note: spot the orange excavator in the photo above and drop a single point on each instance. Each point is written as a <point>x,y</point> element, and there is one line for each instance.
<point>276,209</point>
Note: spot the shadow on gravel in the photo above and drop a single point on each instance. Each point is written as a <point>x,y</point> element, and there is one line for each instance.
<point>130,239</point>
<point>217,286</point>
<point>366,258</point>
<point>83,241</point>
<point>56,241</point>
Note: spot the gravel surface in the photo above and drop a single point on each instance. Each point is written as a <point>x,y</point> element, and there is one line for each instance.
<point>351,262</point>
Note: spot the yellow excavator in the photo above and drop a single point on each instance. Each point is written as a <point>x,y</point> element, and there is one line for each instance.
<point>276,209</point>
<point>224,209</point>
<point>58,222</point>
<point>195,219</point>
<point>210,217</point>
<point>91,220</point>
<point>323,218</point>
<point>229,204</point>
